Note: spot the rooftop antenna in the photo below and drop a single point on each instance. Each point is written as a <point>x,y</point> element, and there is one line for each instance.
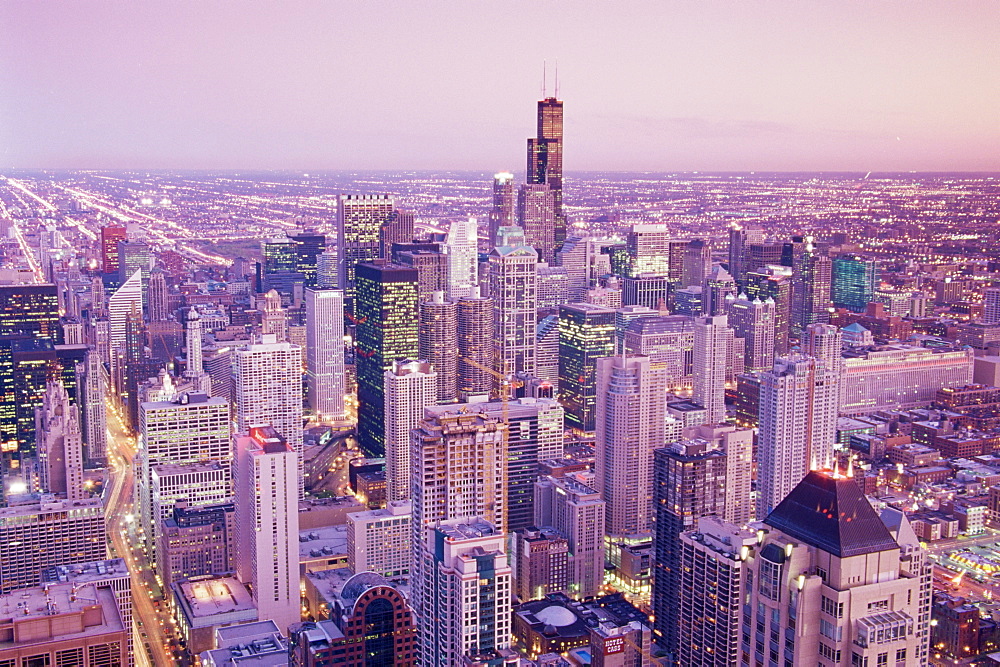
<point>557,79</point>
<point>544,79</point>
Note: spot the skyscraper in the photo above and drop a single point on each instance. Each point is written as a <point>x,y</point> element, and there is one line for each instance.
<point>265,472</point>
<point>586,333</point>
<point>157,296</point>
<point>461,245</point>
<point>513,276</point>
<point>718,285</point>
<point>578,513</point>
<point>503,211</point>
<point>798,419</point>
<point>536,215</point>
<point>126,299</point>
<point>194,370</point>
<point>60,444</point>
<point>359,222</point>
<point>823,342</point>
<point>811,283</point>
<point>739,240</point>
<point>753,321</point>
<point>387,323</point>
<point>689,482</point>
<point>438,343</point>
<point>273,320</point>
<point>459,479</point>
<point>134,256</point>
<point>397,229</point>
<point>410,386</point>
<point>854,282</point>
<point>475,342</point>
<point>110,237</point>
<point>774,282</point>
<point>267,384</point>
<point>711,339</point>
<point>325,352</point>
<point>545,159</point>
<point>307,249</point>
<point>631,404</point>
<point>991,305</point>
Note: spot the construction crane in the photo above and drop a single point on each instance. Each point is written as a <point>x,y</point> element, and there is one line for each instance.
<point>507,384</point>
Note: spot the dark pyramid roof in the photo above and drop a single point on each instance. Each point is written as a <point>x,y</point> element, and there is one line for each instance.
<point>832,514</point>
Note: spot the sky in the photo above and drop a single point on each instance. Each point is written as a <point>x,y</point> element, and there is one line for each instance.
<point>668,85</point>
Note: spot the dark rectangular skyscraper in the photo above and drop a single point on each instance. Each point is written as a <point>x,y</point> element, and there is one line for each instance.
<point>387,322</point>
<point>586,333</point>
<point>110,236</point>
<point>545,158</point>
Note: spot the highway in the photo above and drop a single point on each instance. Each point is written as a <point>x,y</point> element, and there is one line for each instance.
<point>152,624</point>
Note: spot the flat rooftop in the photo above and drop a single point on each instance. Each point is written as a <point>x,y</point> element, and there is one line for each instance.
<point>210,597</point>
<point>81,573</point>
<point>74,601</point>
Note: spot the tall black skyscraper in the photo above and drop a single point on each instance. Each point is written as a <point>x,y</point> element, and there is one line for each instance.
<point>360,222</point>
<point>545,159</point>
<point>385,310</point>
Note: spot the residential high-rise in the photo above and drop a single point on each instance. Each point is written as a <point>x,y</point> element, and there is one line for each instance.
<point>410,386</point>
<point>547,350</point>
<point>541,557</point>
<point>654,251</point>
<point>545,159</point>
<point>380,540</point>
<point>431,264</point>
<point>459,478</point>
<point>991,305</point>
<point>157,296</point>
<point>578,513</point>
<point>811,284</point>
<point>512,276</point>
<point>503,212</point>
<point>327,270</point>
<point>711,339</point>
<point>110,237</point>
<point>467,612</point>
<point>267,386</point>
<point>534,435</point>
<point>739,240</point>
<point>718,285</point>
<point>668,341</point>
<point>60,444</point>
<point>798,420</point>
<point>834,583</point>
<point>689,482</point>
<point>753,321</point>
<point>536,216</point>
<point>48,533</point>
<point>631,405</point>
<point>265,472</point>
<point>854,282</point>
<point>586,333</point>
<point>191,429</point>
<point>774,283</point>
<point>386,316</point>
<point>438,343</point>
<point>325,380</point>
<point>461,246</point>
<point>824,343</point>
<point>475,343</point>
<point>713,576</point>
<point>359,222</point>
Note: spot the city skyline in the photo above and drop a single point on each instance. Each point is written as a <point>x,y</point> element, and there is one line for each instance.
<point>708,87</point>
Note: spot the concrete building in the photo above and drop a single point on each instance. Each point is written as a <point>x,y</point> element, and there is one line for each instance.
<point>576,511</point>
<point>512,286</point>
<point>410,386</point>
<point>753,321</point>
<point>258,643</point>
<point>265,468</point>
<point>711,341</point>
<point>541,557</point>
<point>630,425</point>
<point>381,540</point>
<point>202,606</point>
<point>195,542</point>
<point>798,421</point>
<point>325,379</point>
<point>475,342</point>
<point>438,344</point>
<point>45,532</point>
<point>60,444</point>
<point>835,584</point>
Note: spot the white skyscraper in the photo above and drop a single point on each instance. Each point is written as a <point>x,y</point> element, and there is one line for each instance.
<point>753,321</point>
<point>195,373</point>
<point>463,257</point>
<point>631,406</point>
<point>824,342</point>
<point>513,284</point>
<point>60,443</point>
<point>265,475</point>
<point>410,386</point>
<point>711,338</point>
<point>126,299</point>
<point>267,384</point>
<point>192,429</point>
<point>459,469</point>
<point>325,352</point>
<point>798,421</point>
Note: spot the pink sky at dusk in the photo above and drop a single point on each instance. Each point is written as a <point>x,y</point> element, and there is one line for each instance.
<point>673,85</point>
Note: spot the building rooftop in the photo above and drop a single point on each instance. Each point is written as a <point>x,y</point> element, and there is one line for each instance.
<point>323,542</point>
<point>831,513</point>
<point>81,573</point>
<point>217,596</point>
<point>71,600</point>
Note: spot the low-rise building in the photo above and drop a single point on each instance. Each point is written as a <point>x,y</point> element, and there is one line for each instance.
<point>202,606</point>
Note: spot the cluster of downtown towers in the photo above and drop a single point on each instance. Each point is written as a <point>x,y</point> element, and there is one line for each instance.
<point>475,354</point>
